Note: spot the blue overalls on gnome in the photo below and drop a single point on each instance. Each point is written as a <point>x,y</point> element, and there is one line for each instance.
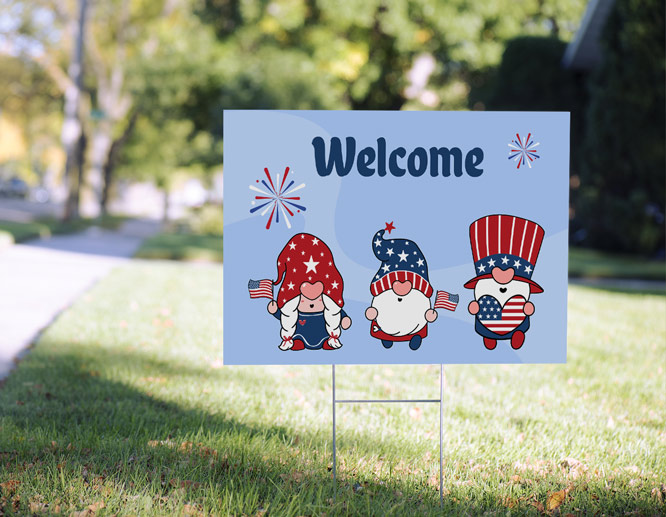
<point>400,309</point>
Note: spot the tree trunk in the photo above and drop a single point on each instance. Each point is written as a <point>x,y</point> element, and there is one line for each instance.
<point>81,151</point>
<point>165,217</point>
<point>102,141</point>
<point>112,159</point>
<point>115,104</point>
<point>72,128</point>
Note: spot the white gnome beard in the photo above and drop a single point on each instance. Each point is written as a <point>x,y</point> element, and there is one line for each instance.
<point>404,317</point>
<point>488,286</point>
<point>289,317</point>
<point>332,316</point>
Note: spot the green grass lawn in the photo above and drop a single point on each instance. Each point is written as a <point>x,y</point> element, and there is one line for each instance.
<point>20,232</point>
<point>195,238</point>
<point>599,264</point>
<point>182,246</point>
<point>123,407</point>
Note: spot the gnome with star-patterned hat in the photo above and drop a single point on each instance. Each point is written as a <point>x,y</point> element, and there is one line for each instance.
<point>309,300</point>
<point>505,250</point>
<point>400,309</point>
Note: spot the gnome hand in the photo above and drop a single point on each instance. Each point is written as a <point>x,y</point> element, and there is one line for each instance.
<point>371,313</point>
<point>528,308</point>
<point>430,315</point>
<point>345,322</point>
<point>272,307</point>
<point>473,307</point>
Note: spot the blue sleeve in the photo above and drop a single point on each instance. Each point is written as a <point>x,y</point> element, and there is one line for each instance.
<point>277,314</point>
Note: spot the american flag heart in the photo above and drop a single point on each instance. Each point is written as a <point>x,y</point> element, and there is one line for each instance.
<point>498,319</point>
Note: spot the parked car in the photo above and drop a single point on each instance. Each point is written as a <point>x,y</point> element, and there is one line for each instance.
<point>14,187</point>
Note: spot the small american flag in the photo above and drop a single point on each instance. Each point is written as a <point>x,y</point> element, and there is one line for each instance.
<point>446,300</point>
<point>260,288</point>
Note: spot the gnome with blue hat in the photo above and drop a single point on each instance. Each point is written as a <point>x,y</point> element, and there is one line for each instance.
<point>400,309</point>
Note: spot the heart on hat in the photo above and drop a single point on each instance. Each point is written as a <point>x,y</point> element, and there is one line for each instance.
<point>498,319</point>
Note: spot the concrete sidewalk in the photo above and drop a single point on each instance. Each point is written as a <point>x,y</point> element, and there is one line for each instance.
<point>40,278</point>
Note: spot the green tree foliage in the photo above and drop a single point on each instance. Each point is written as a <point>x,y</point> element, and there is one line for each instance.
<point>532,78</point>
<point>621,200</point>
<point>160,162</point>
<point>358,53</point>
<point>29,99</point>
<point>170,78</point>
<point>182,61</point>
<point>468,40</point>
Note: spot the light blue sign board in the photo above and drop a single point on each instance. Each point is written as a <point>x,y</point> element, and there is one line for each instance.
<point>470,198</point>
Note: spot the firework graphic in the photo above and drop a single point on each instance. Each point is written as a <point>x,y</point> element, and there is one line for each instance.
<point>523,151</point>
<point>276,199</point>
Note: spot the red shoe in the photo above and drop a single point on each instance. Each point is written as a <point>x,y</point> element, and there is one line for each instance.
<point>298,345</point>
<point>490,344</point>
<point>327,347</point>
<point>517,339</point>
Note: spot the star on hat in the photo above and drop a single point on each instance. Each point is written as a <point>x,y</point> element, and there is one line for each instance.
<point>401,260</point>
<point>310,260</point>
<point>505,241</point>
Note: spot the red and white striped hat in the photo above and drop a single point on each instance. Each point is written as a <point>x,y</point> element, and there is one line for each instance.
<point>505,241</point>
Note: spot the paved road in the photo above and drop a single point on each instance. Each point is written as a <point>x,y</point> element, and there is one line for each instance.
<point>24,211</point>
<point>40,278</point>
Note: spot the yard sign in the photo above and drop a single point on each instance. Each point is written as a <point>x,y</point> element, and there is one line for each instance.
<point>395,237</point>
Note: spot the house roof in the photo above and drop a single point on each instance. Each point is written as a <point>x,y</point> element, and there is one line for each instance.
<point>584,52</point>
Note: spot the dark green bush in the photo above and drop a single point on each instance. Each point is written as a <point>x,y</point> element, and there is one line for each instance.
<point>621,199</point>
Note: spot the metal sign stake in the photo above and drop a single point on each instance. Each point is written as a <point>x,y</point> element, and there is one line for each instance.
<point>440,400</point>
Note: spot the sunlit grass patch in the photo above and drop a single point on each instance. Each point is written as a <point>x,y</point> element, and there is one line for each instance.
<point>124,407</point>
<point>182,246</point>
<point>599,264</point>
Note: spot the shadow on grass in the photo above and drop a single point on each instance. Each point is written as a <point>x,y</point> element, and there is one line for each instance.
<point>87,434</point>
<point>69,433</point>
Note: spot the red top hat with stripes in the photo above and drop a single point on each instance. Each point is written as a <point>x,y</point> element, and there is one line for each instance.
<point>505,241</point>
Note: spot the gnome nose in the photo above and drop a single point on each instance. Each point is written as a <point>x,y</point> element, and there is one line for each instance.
<point>402,288</point>
<point>312,291</point>
<point>503,276</point>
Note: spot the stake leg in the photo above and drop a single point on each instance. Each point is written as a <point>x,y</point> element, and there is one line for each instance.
<point>334,401</point>
<point>335,484</point>
<point>441,416</point>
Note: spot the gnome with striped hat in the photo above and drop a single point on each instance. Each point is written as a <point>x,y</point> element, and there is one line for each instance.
<point>400,309</point>
<point>505,250</point>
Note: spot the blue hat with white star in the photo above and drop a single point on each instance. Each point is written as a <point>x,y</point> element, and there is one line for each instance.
<point>402,261</point>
